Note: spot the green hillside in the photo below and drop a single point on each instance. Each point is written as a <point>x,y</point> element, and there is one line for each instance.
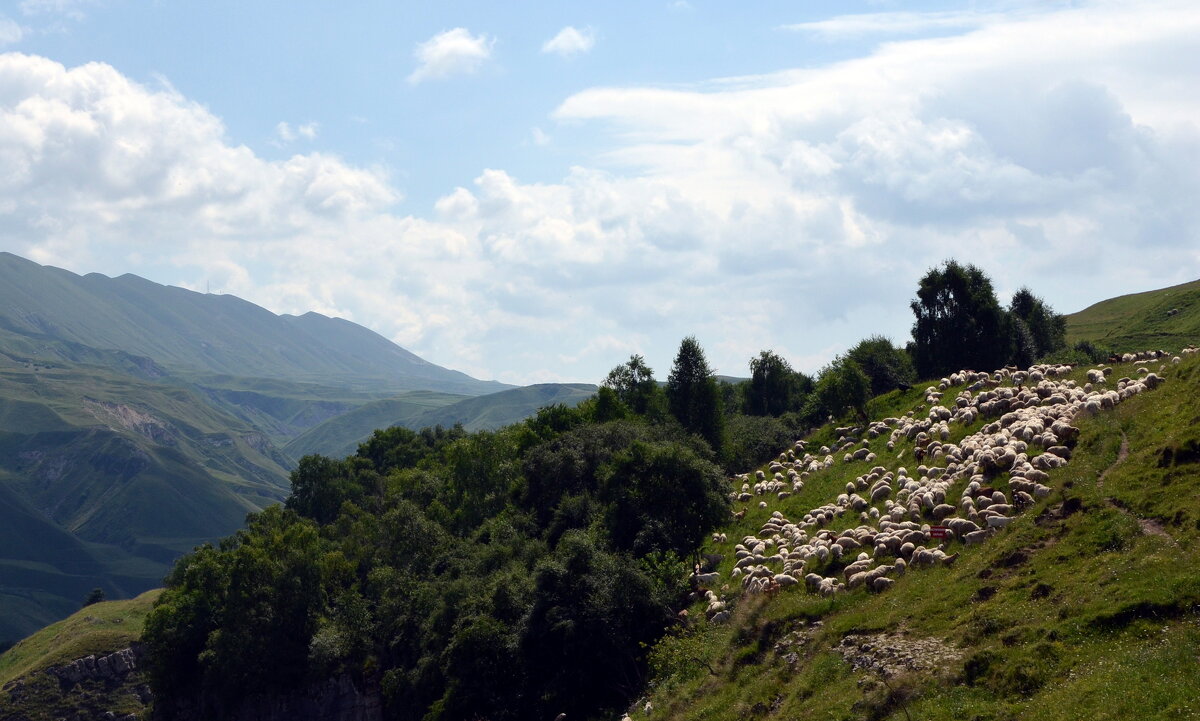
<point>105,479</point>
<point>1168,318</point>
<point>282,410</point>
<point>340,436</point>
<point>496,410</point>
<point>1086,606</point>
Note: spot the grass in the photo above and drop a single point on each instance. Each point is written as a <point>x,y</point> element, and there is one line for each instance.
<point>1095,614</point>
<point>96,629</point>
<point>1140,321</point>
<point>340,436</point>
<point>99,629</point>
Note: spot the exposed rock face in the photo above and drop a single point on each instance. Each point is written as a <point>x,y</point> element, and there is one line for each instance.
<point>113,667</point>
<point>337,699</point>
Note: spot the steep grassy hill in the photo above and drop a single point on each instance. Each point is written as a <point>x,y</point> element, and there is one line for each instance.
<point>28,693</point>
<point>50,313</point>
<point>1087,606</point>
<point>1168,318</point>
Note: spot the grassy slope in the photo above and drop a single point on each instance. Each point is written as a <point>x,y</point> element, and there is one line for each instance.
<point>1140,321</point>
<point>98,629</point>
<point>500,409</point>
<point>1085,616</point>
<point>340,436</point>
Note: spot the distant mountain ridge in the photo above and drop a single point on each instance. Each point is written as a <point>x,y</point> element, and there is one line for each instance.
<point>138,420</point>
<point>54,311</point>
<point>341,435</point>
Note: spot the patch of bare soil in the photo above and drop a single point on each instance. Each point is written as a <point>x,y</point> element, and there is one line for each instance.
<point>891,654</point>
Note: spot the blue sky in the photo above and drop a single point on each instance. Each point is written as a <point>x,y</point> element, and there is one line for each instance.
<point>533,191</point>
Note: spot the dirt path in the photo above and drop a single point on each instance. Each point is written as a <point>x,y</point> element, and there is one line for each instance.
<point>1149,526</point>
<point>1122,454</point>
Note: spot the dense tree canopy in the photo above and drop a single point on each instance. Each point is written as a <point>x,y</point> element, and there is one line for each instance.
<point>503,575</point>
<point>842,387</point>
<point>1047,330</point>
<point>959,323</point>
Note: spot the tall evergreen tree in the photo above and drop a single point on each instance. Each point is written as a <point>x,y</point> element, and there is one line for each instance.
<point>693,395</point>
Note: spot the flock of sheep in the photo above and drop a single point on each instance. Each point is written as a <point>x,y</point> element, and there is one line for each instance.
<point>956,492</point>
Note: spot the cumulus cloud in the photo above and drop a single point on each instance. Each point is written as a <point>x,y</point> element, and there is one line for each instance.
<point>285,133</point>
<point>570,42</point>
<point>793,211</point>
<point>453,52</point>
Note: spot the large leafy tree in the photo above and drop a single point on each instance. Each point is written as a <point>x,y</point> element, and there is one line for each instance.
<point>773,385</point>
<point>1047,330</point>
<point>662,497</point>
<point>885,365</point>
<point>633,382</point>
<point>842,387</point>
<point>959,322</point>
<point>693,395</point>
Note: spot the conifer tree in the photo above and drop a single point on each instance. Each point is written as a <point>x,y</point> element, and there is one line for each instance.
<point>693,396</point>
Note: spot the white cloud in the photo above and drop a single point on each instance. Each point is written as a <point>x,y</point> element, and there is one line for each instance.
<point>452,52</point>
<point>570,42</point>
<point>10,32</point>
<point>894,23</point>
<point>285,133</point>
<point>540,138</point>
<point>793,211</point>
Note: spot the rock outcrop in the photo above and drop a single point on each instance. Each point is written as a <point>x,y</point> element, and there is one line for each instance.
<point>112,667</point>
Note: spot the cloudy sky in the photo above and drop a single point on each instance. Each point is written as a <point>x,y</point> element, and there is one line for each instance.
<point>531,191</point>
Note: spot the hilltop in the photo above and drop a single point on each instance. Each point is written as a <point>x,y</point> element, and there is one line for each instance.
<point>340,436</point>
<point>1164,318</point>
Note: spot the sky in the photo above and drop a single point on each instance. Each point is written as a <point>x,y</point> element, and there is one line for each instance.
<point>534,191</point>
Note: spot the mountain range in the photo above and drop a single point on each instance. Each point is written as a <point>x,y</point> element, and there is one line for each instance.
<point>138,420</point>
